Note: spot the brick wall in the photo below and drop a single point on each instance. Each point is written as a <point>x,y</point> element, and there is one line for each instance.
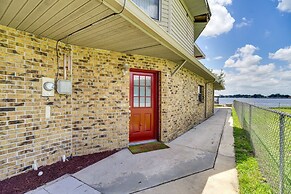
<point>100,101</point>
<point>25,134</point>
<point>96,116</point>
<point>210,100</point>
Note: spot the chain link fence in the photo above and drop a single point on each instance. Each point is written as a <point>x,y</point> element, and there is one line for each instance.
<point>270,134</point>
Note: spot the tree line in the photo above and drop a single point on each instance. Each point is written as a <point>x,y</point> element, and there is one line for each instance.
<point>255,96</point>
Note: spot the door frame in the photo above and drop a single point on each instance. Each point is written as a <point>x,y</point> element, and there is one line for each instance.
<point>157,122</point>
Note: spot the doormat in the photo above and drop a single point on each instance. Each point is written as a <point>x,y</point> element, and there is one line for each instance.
<point>136,149</point>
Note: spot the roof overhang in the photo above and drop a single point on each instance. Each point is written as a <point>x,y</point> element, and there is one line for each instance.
<point>198,53</point>
<point>200,23</point>
<point>197,7</point>
<point>131,31</point>
<point>142,21</point>
<point>201,13</point>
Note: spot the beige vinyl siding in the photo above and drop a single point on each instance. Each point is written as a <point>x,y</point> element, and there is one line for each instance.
<point>164,14</point>
<point>182,26</point>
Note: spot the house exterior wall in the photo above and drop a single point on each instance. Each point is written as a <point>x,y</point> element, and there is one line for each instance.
<point>178,22</point>
<point>25,134</point>
<point>95,117</point>
<point>210,99</point>
<point>182,25</point>
<point>164,14</point>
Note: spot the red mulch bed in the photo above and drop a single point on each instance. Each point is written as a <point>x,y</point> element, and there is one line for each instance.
<point>30,180</point>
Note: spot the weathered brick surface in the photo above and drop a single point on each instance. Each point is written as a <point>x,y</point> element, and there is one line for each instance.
<point>210,100</point>
<point>100,101</point>
<point>96,116</point>
<point>25,134</point>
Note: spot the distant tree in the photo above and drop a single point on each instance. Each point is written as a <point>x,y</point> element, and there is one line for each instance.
<point>221,77</point>
<point>258,96</point>
<point>255,96</point>
<point>278,96</point>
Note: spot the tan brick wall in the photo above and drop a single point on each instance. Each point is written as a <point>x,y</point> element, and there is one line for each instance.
<point>210,100</point>
<point>25,134</point>
<point>100,101</point>
<point>95,117</point>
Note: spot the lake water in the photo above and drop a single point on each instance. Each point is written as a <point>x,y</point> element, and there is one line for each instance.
<point>266,102</point>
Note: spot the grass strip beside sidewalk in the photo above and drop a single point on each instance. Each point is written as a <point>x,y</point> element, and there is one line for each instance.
<point>250,178</point>
<point>284,109</point>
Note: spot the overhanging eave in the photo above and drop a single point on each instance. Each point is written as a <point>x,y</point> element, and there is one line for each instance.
<point>101,24</point>
<point>142,21</point>
<point>197,7</point>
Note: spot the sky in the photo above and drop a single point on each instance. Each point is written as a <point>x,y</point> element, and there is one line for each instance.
<point>250,40</point>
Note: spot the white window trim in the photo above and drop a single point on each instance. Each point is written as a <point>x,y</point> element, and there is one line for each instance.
<point>159,11</point>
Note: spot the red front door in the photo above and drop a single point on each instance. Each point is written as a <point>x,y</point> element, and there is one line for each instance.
<point>143,105</point>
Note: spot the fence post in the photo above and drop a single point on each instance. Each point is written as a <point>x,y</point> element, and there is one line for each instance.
<point>281,167</point>
<point>242,116</point>
<point>250,119</point>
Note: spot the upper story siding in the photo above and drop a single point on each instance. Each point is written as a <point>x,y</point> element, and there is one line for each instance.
<point>177,21</point>
<point>164,14</point>
<point>181,26</point>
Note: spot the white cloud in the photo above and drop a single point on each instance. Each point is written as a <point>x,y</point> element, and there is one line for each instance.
<point>244,58</point>
<point>246,75</point>
<point>284,5</point>
<point>244,22</point>
<point>221,20</point>
<point>283,54</point>
<point>218,58</point>
<point>220,2</point>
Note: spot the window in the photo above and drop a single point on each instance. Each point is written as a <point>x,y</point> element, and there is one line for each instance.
<point>151,7</point>
<point>142,96</point>
<point>200,93</point>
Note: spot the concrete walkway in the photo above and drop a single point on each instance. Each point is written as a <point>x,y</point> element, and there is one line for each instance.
<point>186,167</point>
<point>221,179</point>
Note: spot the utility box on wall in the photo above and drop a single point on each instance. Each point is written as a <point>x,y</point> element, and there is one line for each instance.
<point>64,87</point>
<point>47,86</point>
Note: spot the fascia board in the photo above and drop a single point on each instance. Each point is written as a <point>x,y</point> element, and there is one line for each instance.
<point>146,24</point>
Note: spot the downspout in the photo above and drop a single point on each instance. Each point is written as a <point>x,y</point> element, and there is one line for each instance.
<point>205,99</point>
<point>213,101</point>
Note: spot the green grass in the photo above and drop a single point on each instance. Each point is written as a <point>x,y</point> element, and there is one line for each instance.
<point>287,109</point>
<point>218,105</point>
<point>250,178</point>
